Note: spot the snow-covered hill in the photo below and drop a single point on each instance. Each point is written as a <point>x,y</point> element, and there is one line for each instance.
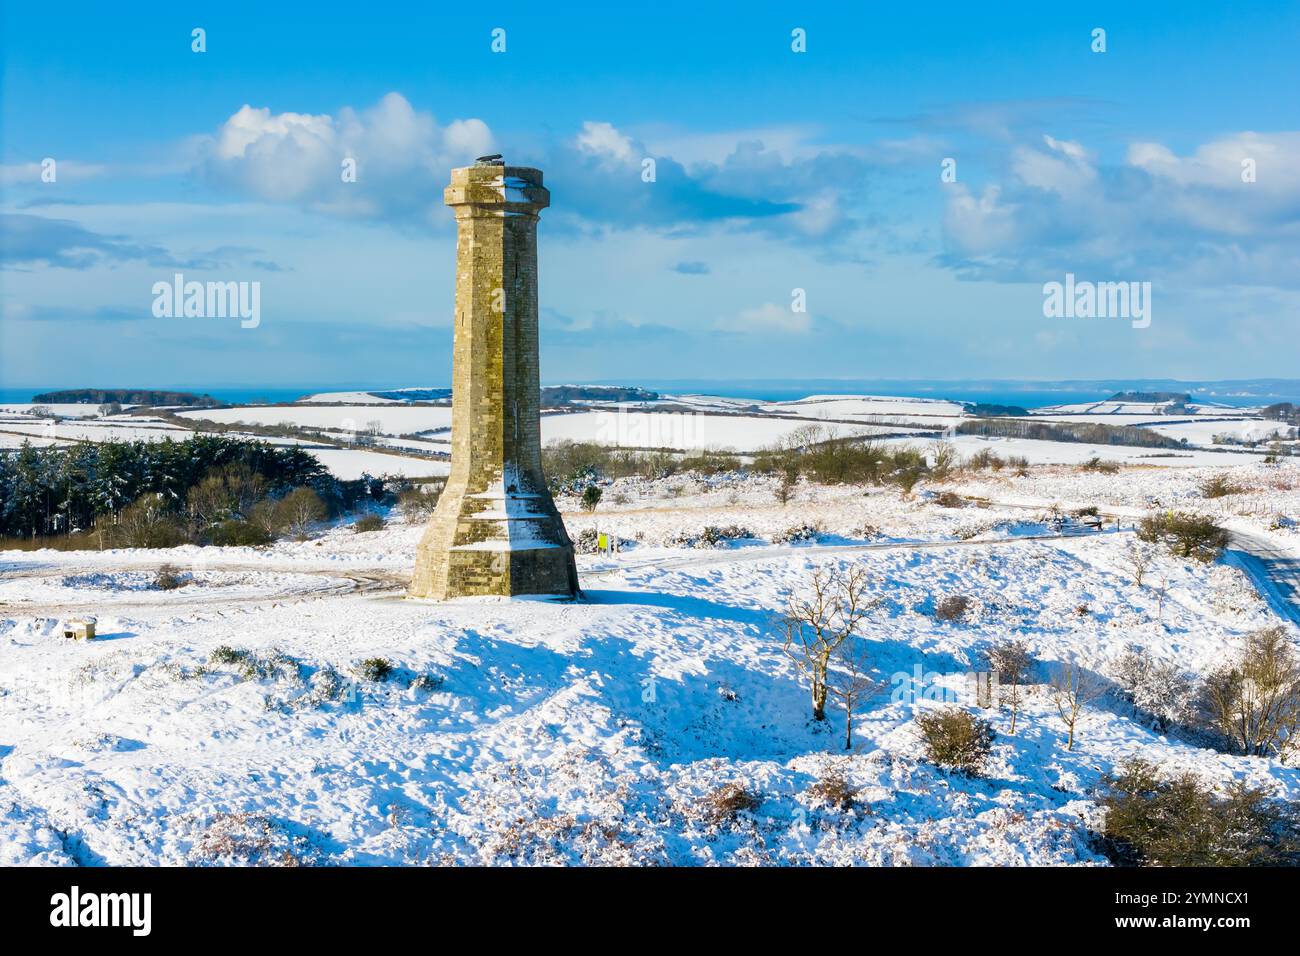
<point>223,721</point>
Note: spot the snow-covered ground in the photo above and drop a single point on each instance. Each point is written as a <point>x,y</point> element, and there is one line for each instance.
<point>123,429</point>
<point>393,419</point>
<point>869,407</point>
<point>1145,410</point>
<point>1206,431</point>
<point>351,398</point>
<point>686,431</point>
<point>1074,453</point>
<point>347,464</point>
<point>64,410</point>
<point>600,731</point>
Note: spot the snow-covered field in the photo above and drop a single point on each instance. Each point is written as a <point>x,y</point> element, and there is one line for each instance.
<point>680,430</point>
<point>64,410</point>
<point>348,464</point>
<point>686,431</point>
<point>124,429</point>
<point>1205,432</point>
<point>351,398</point>
<point>600,731</point>
<point>393,419</point>
<point>869,407</point>
<point>1074,453</point>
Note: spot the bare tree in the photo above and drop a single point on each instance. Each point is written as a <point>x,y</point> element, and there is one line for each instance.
<point>819,619</point>
<point>1072,688</point>
<point>852,686</point>
<point>1138,556</point>
<point>1255,700</point>
<point>1011,662</point>
<point>301,508</point>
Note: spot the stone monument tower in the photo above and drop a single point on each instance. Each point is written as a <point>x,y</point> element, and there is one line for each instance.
<point>496,529</point>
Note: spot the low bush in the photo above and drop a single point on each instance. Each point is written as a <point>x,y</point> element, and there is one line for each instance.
<point>952,608</point>
<point>985,459</point>
<point>1159,691</point>
<point>1105,466</point>
<point>167,579</point>
<point>373,669</point>
<point>726,803</point>
<point>1152,821</point>
<point>225,654</point>
<point>235,533</point>
<point>832,790</point>
<point>956,740</point>
<point>796,533</point>
<point>711,536</point>
<point>1219,486</point>
<point>1186,535</point>
<point>369,522</point>
<point>249,839</point>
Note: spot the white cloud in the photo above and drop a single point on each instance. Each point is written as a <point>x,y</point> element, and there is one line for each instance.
<point>1065,168</point>
<point>1190,220</point>
<point>298,157</point>
<point>604,141</point>
<point>768,317</point>
<point>1218,164</point>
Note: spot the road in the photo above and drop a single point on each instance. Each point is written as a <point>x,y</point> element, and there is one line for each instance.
<point>1274,572</point>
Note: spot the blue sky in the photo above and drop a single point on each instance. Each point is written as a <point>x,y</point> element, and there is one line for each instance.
<point>776,171</point>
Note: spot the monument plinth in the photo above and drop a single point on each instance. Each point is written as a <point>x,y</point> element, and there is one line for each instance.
<point>496,530</point>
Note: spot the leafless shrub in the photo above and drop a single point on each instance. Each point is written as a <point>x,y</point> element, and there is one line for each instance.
<point>850,682</point>
<point>1138,556</point>
<point>1159,691</point>
<point>952,608</point>
<point>249,839</point>
<point>1011,662</point>
<point>1072,688</point>
<point>167,579</point>
<point>300,510</point>
<point>832,790</point>
<point>420,501</point>
<point>1254,701</point>
<point>723,805</point>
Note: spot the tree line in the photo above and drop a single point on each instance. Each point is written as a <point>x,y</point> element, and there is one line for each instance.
<point>191,487</point>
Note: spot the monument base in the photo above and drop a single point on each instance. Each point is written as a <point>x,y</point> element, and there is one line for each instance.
<point>478,572</point>
<point>498,544</point>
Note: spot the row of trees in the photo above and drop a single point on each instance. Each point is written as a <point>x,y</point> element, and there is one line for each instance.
<point>192,486</point>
